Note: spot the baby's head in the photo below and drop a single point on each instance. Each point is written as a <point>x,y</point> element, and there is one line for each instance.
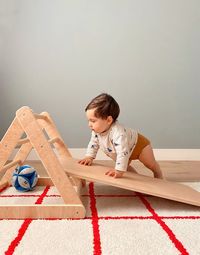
<point>104,105</point>
<point>102,111</point>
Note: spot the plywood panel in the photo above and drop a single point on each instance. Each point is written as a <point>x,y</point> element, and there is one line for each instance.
<point>135,182</point>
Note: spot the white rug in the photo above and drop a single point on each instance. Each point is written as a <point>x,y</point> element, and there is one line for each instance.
<point>117,222</point>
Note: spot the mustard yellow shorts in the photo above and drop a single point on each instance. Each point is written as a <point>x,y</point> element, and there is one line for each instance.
<point>141,143</point>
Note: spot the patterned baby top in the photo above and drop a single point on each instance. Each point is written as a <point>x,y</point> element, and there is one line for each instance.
<point>117,143</point>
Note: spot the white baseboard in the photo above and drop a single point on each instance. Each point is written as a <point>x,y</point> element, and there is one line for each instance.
<point>160,154</point>
<point>177,154</point>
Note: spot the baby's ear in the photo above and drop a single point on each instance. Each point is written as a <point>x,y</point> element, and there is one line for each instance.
<point>110,119</point>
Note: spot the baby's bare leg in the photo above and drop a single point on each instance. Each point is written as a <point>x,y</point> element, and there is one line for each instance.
<point>148,159</point>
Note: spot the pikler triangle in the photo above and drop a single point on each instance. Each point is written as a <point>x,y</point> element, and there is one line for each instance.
<point>40,134</point>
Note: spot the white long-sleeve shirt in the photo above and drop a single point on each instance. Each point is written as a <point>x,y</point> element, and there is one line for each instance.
<point>117,143</point>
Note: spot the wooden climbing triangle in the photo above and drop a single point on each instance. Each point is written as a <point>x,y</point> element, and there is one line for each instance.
<point>37,131</point>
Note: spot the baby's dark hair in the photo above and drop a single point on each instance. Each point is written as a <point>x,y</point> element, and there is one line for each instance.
<point>105,106</point>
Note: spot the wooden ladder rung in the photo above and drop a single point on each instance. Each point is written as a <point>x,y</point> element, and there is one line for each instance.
<point>11,164</point>
<point>55,140</point>
<point>22,141</point>
<point>40,116</point>
<point>52,140</point>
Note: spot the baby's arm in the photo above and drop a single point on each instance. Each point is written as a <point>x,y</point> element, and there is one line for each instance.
<point>92,150</point>
<point>122,159</point>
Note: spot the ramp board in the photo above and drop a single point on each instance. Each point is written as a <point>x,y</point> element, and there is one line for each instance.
<point>135,182</point>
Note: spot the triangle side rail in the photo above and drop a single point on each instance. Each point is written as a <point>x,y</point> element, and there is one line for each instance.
<point>57,141</point>
<point>9,141</point>
<point>52,132</point>
<point>47,156</point>
<point>3,184</point>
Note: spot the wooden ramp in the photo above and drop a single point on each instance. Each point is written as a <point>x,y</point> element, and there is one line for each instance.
<point>135,182</point>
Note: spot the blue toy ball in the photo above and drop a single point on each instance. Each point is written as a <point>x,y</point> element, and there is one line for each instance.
<point>24,178</point>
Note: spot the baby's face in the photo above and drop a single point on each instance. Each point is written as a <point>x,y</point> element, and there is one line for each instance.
<point>98,125</point>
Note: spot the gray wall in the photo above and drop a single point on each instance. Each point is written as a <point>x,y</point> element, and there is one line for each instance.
<point>57,55</point>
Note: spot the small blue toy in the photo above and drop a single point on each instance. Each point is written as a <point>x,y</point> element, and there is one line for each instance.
<point>24,178</point>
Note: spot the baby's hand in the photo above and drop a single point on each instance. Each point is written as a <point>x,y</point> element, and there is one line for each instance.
<point>115,173</point>
<point>87,161</point>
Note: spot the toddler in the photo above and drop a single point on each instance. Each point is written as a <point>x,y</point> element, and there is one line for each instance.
<point>120,143</point>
